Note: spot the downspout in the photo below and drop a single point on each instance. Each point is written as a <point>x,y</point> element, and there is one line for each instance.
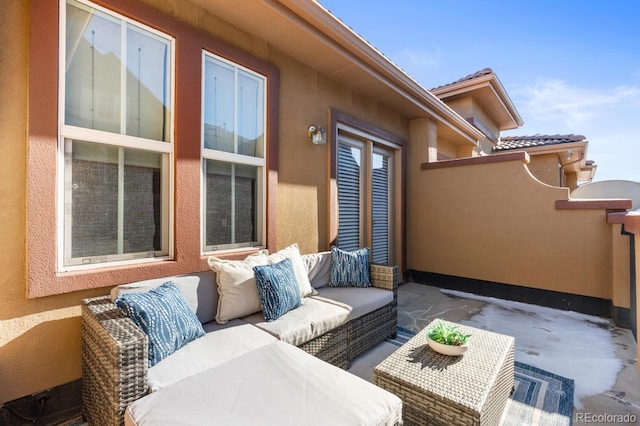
<point>632,281</point>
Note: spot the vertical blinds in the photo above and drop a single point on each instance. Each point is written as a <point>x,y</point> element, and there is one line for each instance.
<point>349,196</point>
<point>380,209</point>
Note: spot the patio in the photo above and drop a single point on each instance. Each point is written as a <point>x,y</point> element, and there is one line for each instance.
<point>598,356</point>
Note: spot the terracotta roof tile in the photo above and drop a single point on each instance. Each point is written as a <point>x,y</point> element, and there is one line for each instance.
<point>522,142</point>
<point>477,74</point>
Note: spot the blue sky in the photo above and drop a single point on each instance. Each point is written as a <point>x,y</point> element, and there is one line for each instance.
<point>568,66</point>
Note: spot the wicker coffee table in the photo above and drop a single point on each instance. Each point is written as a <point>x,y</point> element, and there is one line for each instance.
<point>471,389</point>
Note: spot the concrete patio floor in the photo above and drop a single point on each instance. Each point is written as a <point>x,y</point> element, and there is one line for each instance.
<point>600,357</point>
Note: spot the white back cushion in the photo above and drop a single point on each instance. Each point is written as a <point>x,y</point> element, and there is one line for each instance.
<point>198,289</point>
<point>318,267</point>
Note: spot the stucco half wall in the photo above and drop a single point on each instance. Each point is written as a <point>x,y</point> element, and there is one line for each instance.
<point>492,220</point>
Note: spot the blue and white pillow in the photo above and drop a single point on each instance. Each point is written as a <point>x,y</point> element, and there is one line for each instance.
<point>349,268</point>
<point>164,315</point>
<point>278,288</point>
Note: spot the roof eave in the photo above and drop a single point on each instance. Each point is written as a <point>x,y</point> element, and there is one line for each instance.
<point>329,25</point>
<point>489,80</point>
<point>326,44</point>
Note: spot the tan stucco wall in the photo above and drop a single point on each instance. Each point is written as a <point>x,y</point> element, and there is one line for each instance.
<point>495,222</point>
<point>448,150</point>
<point>39,339</point>
<point>40,343</point>
<point>470,110</point>
<point>620,265</point>
<point>303,174</point>
<point>545,168</point>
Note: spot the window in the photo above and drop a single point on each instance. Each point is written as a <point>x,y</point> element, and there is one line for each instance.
<point>116,138</point>
<point>233,151</point>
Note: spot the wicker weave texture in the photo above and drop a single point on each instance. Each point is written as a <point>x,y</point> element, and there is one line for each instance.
<point>114,362</point>
<point>370,329</point>
<point>115,350</point>
<point>437,389</point>
<point>384,276</point>
<point>331,346</point>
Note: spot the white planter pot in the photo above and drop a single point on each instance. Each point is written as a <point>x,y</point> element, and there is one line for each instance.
<point>447,349</point>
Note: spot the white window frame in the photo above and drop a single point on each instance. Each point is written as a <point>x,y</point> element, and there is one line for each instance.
<point>69,132</point>
<point>233,158</point>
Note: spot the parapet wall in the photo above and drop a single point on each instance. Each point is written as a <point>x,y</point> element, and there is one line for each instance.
<point>488,218</point>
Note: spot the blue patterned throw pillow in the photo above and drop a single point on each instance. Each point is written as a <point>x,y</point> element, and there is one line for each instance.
<point>278,288</point>
<point>164,315</point>
<point>349,268</point>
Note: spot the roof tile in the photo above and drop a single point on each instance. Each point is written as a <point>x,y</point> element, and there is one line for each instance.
<point>520,142</point>
<point>477,74</point>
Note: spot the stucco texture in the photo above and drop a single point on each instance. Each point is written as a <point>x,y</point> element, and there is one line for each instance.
<point>39,339</point>
<point>496,222</point>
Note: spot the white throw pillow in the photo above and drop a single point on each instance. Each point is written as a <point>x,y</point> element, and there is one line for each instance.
<point>293,252</point>
<point>237,286</point>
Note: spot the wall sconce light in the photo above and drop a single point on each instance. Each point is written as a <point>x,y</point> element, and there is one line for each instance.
<point>317,134</point>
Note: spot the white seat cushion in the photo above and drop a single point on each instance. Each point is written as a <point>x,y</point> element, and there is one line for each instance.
<point>360,300</point>
<point>306,322</point>
<point>212,349</point>
<point>276,384</point>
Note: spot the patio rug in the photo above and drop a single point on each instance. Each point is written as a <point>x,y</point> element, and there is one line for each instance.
<point>540,397</point>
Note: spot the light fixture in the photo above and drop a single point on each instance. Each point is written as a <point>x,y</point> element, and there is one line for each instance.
<point>316,134</point>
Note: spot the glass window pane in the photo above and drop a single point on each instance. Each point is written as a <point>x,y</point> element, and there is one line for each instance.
<point>349,197</point>
<point>148,103</point>
<point>233,109</point>
<point>115,200</point>
<point>92,77</point>
<point>142,226</point>
<point>250,115</point>
<point>231,204</point>
<point>380,208</point>
<point>94,199</point>
<point>245,203</point>
<point>219,125</point>
<point>95,67</point>
<point>218,203</point>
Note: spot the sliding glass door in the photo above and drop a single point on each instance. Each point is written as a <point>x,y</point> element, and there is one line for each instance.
<point>366,196</point>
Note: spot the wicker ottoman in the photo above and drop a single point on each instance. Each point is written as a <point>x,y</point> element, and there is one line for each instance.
<point>471,389</point>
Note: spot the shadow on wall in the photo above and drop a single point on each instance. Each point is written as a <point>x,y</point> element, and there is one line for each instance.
<point>50,355</point>
<point>610,189</point>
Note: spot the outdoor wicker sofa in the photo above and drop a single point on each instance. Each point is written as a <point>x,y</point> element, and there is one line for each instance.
<point>115,351</point>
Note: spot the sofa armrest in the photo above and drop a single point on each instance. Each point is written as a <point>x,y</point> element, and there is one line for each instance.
<point>384,276</point>
<point>114,361</point>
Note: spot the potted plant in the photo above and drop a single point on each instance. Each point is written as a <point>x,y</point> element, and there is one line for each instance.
<point>447,339</point>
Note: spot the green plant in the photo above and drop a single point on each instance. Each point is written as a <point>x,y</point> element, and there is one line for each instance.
<point>447,334</point>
